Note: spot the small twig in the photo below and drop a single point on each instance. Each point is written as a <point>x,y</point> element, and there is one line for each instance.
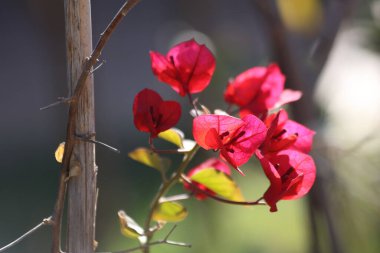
<point>170,232</point>
<point>180,244</point>
<point>61,100</point>
<point>44,222</point>
<point>163,241</point>
<point>87,139</point>
<point>220,199</point>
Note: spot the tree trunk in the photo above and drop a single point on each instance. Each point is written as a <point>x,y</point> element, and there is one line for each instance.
<point>82,192</point>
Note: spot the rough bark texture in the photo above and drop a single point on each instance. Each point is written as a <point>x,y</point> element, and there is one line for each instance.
<point>81,188</point>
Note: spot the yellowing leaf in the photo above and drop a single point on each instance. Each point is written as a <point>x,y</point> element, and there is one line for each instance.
<point>218,182</point>
<point>129,227</point>
<point>173,135</point>
<point>59,152</point>
<point>169,212</point>
<point>149,158</point>
<point>301,15</point>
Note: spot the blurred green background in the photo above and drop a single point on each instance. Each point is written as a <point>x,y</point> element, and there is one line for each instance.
<point>327,48</point>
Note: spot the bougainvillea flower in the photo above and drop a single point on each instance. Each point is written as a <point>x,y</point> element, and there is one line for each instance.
<point>210,163</point>
<point>256,90</point>
<point>237,139</point>
<point>187,67</point>
<point>284,133</point>
<point>291,175</point>
<point>154,115</point>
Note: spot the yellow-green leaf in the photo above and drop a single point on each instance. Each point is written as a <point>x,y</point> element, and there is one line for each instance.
<point>149,158</point>
<point>59,152</point>
<point>169,212</point>
<point>303,16</point>
<point>218,182</point>
<point>129,227</point>
<point>173,135</point>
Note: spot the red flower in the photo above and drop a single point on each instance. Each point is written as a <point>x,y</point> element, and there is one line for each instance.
<point>187,68</point>
<point>291,175</point>
<point>259,89</point>
<point>210,163</point>
<point>237,139</point>
<point>152,114</point>
<point>284,133</point>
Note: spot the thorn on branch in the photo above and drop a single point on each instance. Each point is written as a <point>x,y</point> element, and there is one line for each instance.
<point>87,138</point>
<point>61,100</point>
<point>97,67</point>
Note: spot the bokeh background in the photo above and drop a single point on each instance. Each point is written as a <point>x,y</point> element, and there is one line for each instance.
<point>328,48</point>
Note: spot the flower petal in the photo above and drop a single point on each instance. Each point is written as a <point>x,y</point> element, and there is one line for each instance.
<point>243,89</point>
<point>304,165</point>
<point>287,96</point>
<point>254,132</point>
<point>171,113</point>
<point>195,65</point>
<point>152,114</point>
<point>272,195</point>
<point>144,101</point>
<point>221,123</point>
<point>270,90</point>
<point>291,174</point>
<point>305,135</point>
<point>165,71</point>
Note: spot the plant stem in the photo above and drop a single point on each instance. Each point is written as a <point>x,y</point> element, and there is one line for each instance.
<point>163,241</point>
<point>164,188</point>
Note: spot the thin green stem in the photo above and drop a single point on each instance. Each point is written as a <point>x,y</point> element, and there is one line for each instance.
<point>164,188</point>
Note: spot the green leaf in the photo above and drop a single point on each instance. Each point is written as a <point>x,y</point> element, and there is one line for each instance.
<point>129,227</point>
<point>218,182</point>
<point>59,152</point>
<point>173,135</point>
<point>149,158</point>
<point>169,212</point>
